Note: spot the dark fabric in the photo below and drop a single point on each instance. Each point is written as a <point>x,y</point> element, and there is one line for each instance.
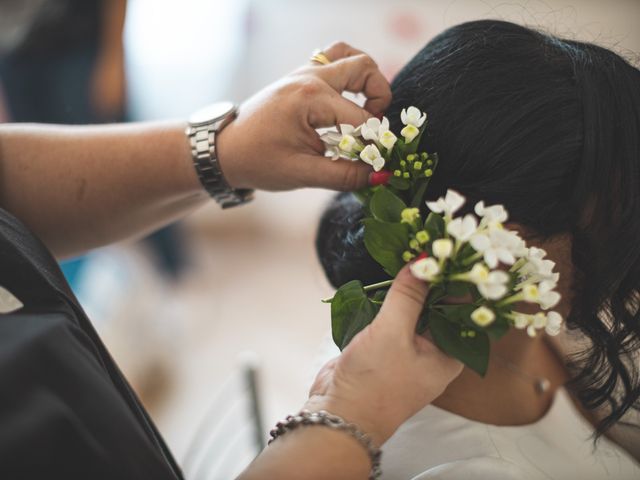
<point>60,25</point>
<point>51,89</point>
<point>66,410</point>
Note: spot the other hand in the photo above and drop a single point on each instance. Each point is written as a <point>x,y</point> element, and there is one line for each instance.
<point>387,373</point>
<point>273,144</point>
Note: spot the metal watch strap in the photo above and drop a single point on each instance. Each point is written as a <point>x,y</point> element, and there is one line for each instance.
<point>203,152</point>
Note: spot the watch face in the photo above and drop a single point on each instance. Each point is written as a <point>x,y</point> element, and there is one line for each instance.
<point>211,113</point>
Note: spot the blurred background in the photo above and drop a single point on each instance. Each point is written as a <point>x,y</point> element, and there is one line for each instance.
<point>197,312</point>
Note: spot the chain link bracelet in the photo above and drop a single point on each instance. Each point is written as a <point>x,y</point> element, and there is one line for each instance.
<point>305,417</point>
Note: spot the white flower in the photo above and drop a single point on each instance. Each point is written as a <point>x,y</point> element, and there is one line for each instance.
<point>449,204</point>
<point>495,286</point>
<point>347,143</point>
<point>463,228</point>
<point>531,293</point>
<point>542,294</point>
<point>409,133</point>
<point>333,151</point>
<point>535,252</point>
<point>520,320</point>
<point>371,156</point>
<point>388,139</point>
<point>494,214</point>
<point>413,116</point>
<point>539,321</point>
<point>425,269</point>
<point>548,297</point>
<point>531,331</point>
<point>442,248</point>
<point>373,128</point>
<point>496,246</point>
<point>483,316</point>
<point>341,142</point>
<point>478,274</point>
<point>554,323</point>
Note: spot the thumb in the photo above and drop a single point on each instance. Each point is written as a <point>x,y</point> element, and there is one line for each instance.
<point>404,302</point>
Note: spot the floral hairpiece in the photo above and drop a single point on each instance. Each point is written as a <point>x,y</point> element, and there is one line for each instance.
<point>458,256</point>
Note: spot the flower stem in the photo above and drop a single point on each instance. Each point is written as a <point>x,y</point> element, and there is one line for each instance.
<point>375,286</point>
<point>472,258</point>
<point>512,299</point>
<point>366,288</point>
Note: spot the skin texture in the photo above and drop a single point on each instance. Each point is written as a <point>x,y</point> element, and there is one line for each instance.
<point>503,397</point>
<point>83,187</point>
<point>384,376</point>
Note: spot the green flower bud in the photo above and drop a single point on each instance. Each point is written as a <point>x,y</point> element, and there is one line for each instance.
<point>422,236</point>
<point>413,243</point>
<point>429,163</point>
<point>411,157</point>
<point>406,175</point>
<point>424,155</point>
<point>409,215</point>
<point>397,173</point>
<point>403,163</point>
<point>471,333</point>
<point>417,165</point>
<point>428,172</point>
<point>463,334</point>
<point>407,256</point>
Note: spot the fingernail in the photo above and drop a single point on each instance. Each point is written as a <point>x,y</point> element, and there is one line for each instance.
<point>379,178</point>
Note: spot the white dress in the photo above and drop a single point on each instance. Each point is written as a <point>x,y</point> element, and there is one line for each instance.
<point>437,444</point>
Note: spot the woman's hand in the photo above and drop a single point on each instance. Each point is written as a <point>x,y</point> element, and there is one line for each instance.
<point>387,373</point>
<point>273,144</point>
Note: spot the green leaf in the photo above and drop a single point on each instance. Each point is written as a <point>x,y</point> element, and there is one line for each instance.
<point>386,242</point>
<point>498,328</point>
<point>418,197</point>
<point>351,311</point>
<point>457,289</point>
<point>434,225</point>
<point>364,196</point>
<point>399,183</point>
<point>459,313</point>
<point>472,351</point>
<point>386,206</point>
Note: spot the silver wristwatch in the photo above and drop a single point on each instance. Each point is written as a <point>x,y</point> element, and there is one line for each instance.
<point>204,125</point>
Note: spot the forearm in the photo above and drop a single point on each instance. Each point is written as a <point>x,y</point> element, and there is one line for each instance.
<point>312,453</point>
<point>82,187</point>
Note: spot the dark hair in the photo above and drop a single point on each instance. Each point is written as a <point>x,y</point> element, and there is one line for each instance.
<point>550,128</point>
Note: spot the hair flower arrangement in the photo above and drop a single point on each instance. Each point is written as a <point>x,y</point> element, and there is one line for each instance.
<point>472,256</point>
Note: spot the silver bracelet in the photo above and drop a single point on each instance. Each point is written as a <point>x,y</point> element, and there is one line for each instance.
<point>305,417</point>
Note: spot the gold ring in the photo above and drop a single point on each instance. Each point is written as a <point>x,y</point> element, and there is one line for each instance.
<point>320,57</point>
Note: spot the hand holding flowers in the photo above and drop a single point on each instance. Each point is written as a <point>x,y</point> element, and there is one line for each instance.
<point>471,256</point>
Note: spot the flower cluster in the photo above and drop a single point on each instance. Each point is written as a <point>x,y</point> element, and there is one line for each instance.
<point>473,257</point>
<point>376,145</point>
<point>473,248</point>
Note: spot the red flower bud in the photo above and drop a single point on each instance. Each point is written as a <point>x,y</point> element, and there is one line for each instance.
<point>422,256</point>
<point>379,178</point>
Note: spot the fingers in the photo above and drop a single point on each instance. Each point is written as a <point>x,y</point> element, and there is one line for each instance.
<point>339,50</point>
<point>341,175</point>
<point>404,302</point>
<point>356,74</point>
<point>335,110</point>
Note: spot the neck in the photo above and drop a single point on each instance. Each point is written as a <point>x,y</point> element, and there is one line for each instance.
<point>507,395</point>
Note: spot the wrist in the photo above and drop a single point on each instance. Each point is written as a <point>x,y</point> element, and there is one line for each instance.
<point>227,158</point>
<point>369,421</point>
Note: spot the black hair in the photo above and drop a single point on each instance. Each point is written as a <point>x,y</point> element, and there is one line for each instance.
<point>550,128</point>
